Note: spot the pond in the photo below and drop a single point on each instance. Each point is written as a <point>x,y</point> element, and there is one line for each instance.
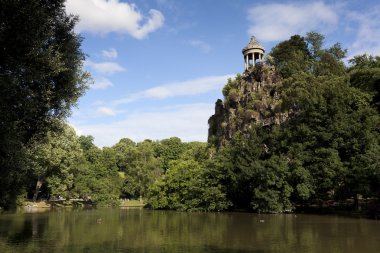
<point>137,230</point>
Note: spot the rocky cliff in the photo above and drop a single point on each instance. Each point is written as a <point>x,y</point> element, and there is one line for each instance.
<point>250,98</point>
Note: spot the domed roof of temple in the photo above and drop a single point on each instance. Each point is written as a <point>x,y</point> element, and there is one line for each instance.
<point>253,44</point>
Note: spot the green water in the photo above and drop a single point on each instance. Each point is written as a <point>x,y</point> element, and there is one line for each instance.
<point>137,230</point>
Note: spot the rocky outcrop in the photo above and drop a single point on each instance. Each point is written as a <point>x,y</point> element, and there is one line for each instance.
<point>251,98</point>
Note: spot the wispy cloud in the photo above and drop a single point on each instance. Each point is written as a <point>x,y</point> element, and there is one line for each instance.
<point>105,16</point>
<point>278,21</point>
<point>110,53</point>
<point>101,83</point>
<point>105,68</point>
<point>201,45</point>
<point>185,88</point>
<point>189,122</point>
<point>367,30</point>
<point>106,111</point>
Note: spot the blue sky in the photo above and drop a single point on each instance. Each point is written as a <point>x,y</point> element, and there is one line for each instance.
<point>159,65</point>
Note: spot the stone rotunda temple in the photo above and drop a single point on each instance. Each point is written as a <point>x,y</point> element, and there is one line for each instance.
<point>253,52</point>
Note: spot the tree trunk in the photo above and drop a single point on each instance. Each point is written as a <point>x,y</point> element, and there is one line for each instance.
<point>357,206</point>
<point>38,187</point>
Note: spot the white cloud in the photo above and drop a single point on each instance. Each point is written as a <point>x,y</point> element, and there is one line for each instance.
<point>106,111</point>
<point>105,16</point>
<point>101,83</point>
<point>368,31</point>
<point>277,21</point>
<point>188,122</point>
<point>201,45</point>
<point>106,68</point>
<point>185,88</point>
<point>110,53</point>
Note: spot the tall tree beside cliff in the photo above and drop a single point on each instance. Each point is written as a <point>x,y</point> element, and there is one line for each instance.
<point>41,78</point>
<point>307,55</point>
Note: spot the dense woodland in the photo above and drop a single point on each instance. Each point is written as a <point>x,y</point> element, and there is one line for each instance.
<point>328,148</point>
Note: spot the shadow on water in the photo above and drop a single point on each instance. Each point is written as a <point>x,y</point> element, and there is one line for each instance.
<point>25,228</point>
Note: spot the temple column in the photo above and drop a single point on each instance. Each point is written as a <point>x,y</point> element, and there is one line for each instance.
<point>253,53</point>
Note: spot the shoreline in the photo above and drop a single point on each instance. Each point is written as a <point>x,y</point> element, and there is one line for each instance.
<point>362,211</point>
<point>45,204</point>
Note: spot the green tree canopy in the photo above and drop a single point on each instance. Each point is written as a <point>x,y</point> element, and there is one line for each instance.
<point>41,78</point>
<point>291,56</point>
<point>365,75</point>
<point>307,55</point>
<point>168,150</point>
<point>54,160</point>
<point>185,186</point>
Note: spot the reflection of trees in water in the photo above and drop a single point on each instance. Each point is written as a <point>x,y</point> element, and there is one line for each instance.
<point>23,233</point>
<point>164,231</point>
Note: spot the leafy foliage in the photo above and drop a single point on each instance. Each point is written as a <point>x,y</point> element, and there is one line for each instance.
<point>307,55</point>
<point>327,148</point>
<point>54,160</point>
<point>365,75</point>
<point>41,78</point>
<point>291,56</point>
<point>185,187</point>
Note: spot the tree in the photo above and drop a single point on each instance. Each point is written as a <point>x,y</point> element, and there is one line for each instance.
<point>197,151</point>
<point>307,55</point>
<point>270,185</point>
<point>139,165</point>
<point>365,75</point>
<point>325,61</point>
<point>143,171</point>
<point>168,150</point>
<point>86,142</point>
<point>256,177</point>
<point>364,61</point>
<point>98,180</point>
<point>315,42</point>
<point>185,186</point>
<point>334,129</point>
<point>41,78</point>
<point>54,160</point>
<point>291,56</point>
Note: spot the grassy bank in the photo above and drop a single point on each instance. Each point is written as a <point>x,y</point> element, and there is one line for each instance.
<point>132,203</point>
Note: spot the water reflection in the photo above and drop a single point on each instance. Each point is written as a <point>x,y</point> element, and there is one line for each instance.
<point>136,230</point>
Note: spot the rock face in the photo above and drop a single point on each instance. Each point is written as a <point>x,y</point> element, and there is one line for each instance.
<point>251,98</point>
